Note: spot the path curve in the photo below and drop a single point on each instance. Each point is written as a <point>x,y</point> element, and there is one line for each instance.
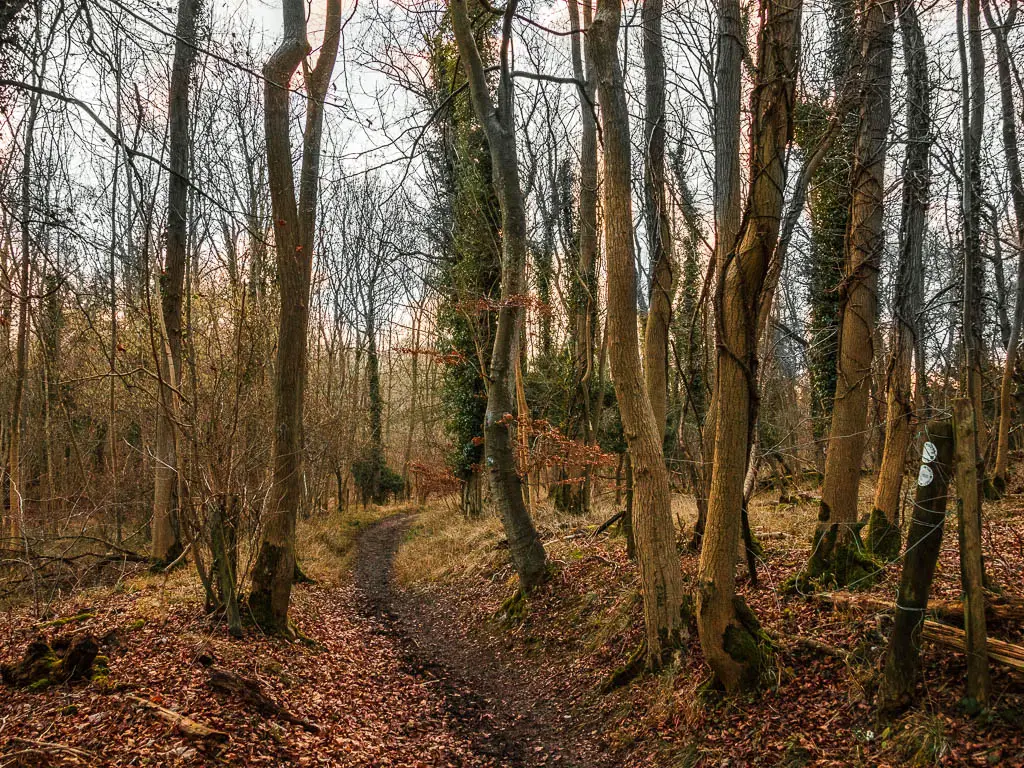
<point>500,717</point>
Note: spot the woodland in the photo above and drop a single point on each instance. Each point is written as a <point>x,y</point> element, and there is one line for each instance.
<point>584,383</point>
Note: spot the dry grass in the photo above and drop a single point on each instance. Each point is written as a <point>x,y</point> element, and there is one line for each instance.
<point>326,544</point>
<point>442,544</point>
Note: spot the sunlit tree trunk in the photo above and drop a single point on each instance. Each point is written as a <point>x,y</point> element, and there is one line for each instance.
<point>835,542</point>
<point>728,629</point>
<point>728,91</point>
<point>294,228</point>
<point>660,574</point>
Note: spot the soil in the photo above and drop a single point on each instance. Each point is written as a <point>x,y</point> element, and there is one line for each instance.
<point>506,706</point>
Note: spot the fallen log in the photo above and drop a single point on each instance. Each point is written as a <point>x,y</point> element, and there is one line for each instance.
<point>1007,654</point>
<point>997,609</point>
<point>185,725</point>
<point>251,692</point>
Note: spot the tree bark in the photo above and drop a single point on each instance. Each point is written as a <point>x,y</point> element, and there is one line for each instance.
<point>498,120</point>
<point>585,305</point>
<point>835,542</point>
<point>295,226</point>
<point>731,37</point>
<point>660,573</point>
<point>166,544</point>
<point>729,633</point>
<point>972,70</point>
<point>971,573</point>
<point>903,657</point>
<point>656,216</point>
<point>16,507</point>
<point>910,276</point>
<point>1004,62</point>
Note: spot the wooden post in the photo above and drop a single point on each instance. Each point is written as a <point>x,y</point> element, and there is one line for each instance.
<point>969,525</point>
<point>903,658</point>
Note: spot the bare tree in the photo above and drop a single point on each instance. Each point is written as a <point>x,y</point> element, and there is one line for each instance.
<point>660,576</point>
<point>294,228</point>
<point>900,406</point>
<point>1007,70</point>
<point>656,215</point>
<point>728,630</point>
<point>166,544</point>
<point>497,117</point>
<point>836,543</point>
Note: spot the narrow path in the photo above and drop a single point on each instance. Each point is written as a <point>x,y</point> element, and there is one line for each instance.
<point>490,702</point>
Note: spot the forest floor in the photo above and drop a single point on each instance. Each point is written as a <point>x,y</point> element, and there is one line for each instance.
<point>410,661</point>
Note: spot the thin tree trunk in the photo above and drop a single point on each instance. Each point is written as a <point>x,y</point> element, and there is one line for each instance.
<point>166,544</point>
<point>16,509</point>
<point>903,657</point>
<point>1004,62</point>
<point>295,225</point>
<point>659,231</point>
<point>728,92</point>
<point>497,120</point>
<point>728,629</point>
<point>916,182</point>
<point>585,320</point>
<point>660,574</point>
<point>835,542</point>
<point>972,71</point>
<point>971,572</point>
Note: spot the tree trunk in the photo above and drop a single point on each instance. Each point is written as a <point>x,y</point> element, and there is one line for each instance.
<point>916,182</point>
<point>1004,63</point>
<point>294,230</point>
<point>903,657</point>
<point>585,285</point>
<point>972,72</point>
<point>731,36</point>
<point>660,573</point>
<point>656,216</point>
<point>16,508</point>
<point>376,460</point>
<point>729,632</point>
<point>498,121</point>
<point>166,544</point>
<point>971,573</point>
<point>836,543</point>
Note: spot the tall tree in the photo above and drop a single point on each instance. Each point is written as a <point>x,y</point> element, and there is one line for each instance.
<point>728,629</point>
<point>656,215</point>
<point>660,574</point>
<point>900,405</point>
<point>294,230</point>
<point>972,102</point>
<point>1006,67</point>
<point>166,544</point>
<point>497,116</point>
<point>583,292</point>
<point>835,555</point>
<point>828,211</point>
<point>468,235</point>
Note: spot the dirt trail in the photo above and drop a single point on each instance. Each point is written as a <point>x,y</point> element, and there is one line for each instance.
<point>491,697</point>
